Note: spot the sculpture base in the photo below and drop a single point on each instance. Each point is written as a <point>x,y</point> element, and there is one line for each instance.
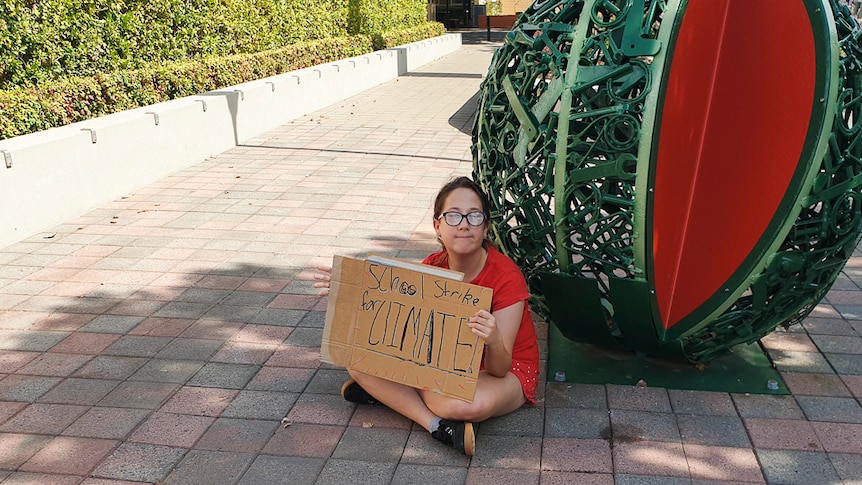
<point>746,369</point>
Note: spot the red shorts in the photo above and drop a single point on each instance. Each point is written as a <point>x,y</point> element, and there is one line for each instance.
<point>528,374</point>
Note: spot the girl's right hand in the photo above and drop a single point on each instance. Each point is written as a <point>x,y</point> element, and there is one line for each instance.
<point>323,280</point>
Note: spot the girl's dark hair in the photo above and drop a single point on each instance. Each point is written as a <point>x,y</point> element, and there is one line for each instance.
<point>464,183</point>
<point>461,183</point>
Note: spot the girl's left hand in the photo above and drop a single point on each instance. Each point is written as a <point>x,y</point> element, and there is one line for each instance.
<point>323,278</point>
<point>484,325</point>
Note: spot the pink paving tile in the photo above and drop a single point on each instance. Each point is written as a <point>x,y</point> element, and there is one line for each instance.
<point>264,284</point>
<point>54,364</point>
<point>653,399</point>
<point>781,340</point>
<point>263,334</point>
<point>172,429</point>
<point>212,329</point>
<point>52,274</point>
<point>255,227</point>
<point>8,409</point>
<point>175,279</point>
<point>25,478</point>
<point>294,356</point>
<point>172,253</point>
<point>108,423</point>
<point>379,417</point>
<point>12,360</point>
<point>295,302</point>
<point>701,403</point>
<point>483,475</point>
<point>70,288</point>
<point>200,401</point>
<point>142,395</point>
<point>85,343</point>
<point>827,326</point>
<point>18,320</point>
<point>854,383</point>
<point>308,440</point>
<point>244,353</point>
<point>219,225</point>
<point>782,434</point>
<point>15,449</point>
<point>844,297</point>
<point>218,282</point>
<point>723,463</point>
<point>85,392</point>
<point>96,250</point>
<point>43,418</point>
<point>136,308</point>
<point>158,293</point>
<point>141,278</point>
<point>213,255</point>
<point>162,327</point>
<point>650,458</point>
<point>237,435</point>
<point>64,322</point>
<point>576,455</point>
<point>69,455</point>
<point>804,384</point>
<point>281,379</point>
<point>569,478</point>
<point>94,275</point>
<point>840,437</point>
<point>107,481</point>
<point>839,344</point>
<point>75,261</point>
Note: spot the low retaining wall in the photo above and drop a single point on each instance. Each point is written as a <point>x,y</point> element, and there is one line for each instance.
<point>55,175</point>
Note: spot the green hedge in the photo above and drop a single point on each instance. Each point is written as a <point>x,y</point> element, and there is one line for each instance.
<point>375,16</point>
<point>63,61</point>
<point>49,39</point>
<point>393,38</point>
<point>43,40</point>
<point>57,103</point>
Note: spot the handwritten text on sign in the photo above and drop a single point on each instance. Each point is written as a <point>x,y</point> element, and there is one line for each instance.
<point>419,318</point>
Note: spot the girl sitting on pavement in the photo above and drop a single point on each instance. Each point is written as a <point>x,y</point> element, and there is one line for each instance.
<point>510,365</point>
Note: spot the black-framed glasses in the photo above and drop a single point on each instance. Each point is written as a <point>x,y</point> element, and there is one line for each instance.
<point>454,218</point>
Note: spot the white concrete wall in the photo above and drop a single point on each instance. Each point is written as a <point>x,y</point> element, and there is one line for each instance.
<point>55,175</point>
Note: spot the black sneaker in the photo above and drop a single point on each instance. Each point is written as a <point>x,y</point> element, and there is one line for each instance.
<point>457,434</point>
<point>353,392</point>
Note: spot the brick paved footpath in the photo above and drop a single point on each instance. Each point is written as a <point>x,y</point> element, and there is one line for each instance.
<point>164,337</point>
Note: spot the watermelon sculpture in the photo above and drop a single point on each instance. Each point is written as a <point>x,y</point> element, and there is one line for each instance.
<point>675,177</point>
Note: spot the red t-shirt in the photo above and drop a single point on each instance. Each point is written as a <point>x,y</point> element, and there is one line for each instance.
<point>502,275</point>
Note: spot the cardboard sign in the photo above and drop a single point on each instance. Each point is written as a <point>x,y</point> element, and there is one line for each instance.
<point>405,325</point>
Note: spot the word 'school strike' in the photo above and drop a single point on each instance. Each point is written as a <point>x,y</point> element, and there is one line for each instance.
<point>418,317</point>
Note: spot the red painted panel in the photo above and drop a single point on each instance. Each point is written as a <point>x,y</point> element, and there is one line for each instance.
<point>736,112</point>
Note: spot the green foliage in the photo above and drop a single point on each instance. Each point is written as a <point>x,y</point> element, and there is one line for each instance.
<point>42,40</point>
<point>65,101</point>
<point>392,38</point>
<point>375,17</point>
<point>63,61</point>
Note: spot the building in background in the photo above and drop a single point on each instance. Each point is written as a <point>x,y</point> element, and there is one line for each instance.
<point>460,14</point>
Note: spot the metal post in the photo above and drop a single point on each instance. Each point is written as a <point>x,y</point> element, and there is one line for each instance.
<point>488,25</point>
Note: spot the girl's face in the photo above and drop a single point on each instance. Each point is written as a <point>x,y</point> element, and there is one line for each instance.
<point>463,238</point>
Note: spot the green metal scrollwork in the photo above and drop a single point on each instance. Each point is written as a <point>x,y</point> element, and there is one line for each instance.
<point>563,144</point>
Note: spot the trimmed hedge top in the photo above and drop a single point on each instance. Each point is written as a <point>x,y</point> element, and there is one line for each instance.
<point>63,61</point>
<point>48,39</point>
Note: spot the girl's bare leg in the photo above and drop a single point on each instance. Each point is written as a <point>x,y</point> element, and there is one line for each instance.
<point>495,396</point>
<point>405,400</point>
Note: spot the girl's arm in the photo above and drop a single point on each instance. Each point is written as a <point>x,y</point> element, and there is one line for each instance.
<point>498,330</point>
